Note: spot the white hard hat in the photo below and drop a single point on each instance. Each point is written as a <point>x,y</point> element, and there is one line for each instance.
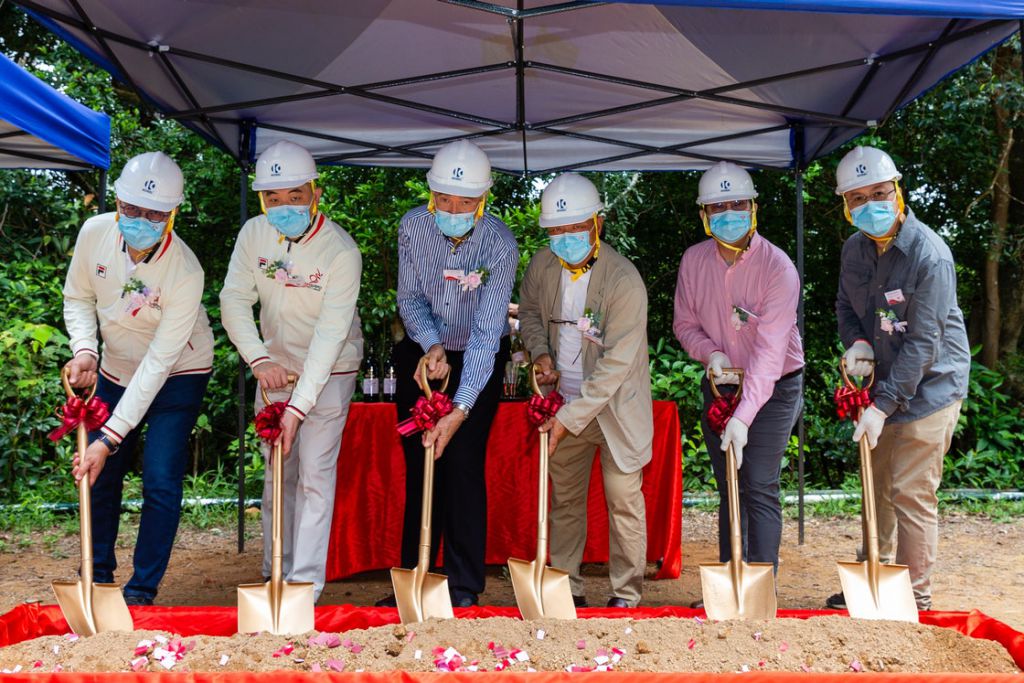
<point>724,182</point>
<point>284,165</point>
<point>151,181</point>
<point>863,166</point>
<point>568,199</point>
<point>460,168</point>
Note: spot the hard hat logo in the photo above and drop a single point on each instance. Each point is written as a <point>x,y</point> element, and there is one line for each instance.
<point>861,170</point>
<point>725,185</point>
<point>561,204</point>
<point>457,173</point>
<point>149,186</point>
<point>275,169</point>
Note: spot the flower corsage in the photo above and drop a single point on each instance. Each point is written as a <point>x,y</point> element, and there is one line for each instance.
<point>279,271</point>
<point>139,296</point>
<point>474,279</point>
<point>589,324</point>
<point>889,322</point>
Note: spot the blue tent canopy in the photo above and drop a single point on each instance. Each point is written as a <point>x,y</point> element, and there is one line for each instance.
<point>42,128</point>
<point>540,85</point>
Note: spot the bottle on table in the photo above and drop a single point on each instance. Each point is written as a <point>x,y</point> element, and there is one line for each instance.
<point>389,380</point>
<point>371,379</point>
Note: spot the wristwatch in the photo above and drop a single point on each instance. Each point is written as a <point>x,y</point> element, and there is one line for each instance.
<point>112,446</point>
<point>463,407</point>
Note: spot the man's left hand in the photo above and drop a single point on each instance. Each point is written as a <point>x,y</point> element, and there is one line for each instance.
<point>92,464</point>
<point>556,432</point>
<point>289,428</point>
<point>443,431</point>
<point>870,423</point>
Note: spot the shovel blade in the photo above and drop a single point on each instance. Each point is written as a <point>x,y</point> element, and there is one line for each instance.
<point>292,616</point>
<point>753,598</point>
<point>428,600</point>
<point>552,599</point>
<point>894,599</point>
<point>109,611</point>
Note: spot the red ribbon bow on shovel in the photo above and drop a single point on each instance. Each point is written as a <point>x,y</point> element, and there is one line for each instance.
<point>540,409</point>
<point>75,411</point>
<point>425,414</point>
<point>721,409</point>
<point>268,421</point>
<point>849,400</point>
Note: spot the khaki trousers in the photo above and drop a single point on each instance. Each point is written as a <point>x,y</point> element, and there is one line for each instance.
<point>907,470</point>
<point>569,469</point>
<point>310,474</point>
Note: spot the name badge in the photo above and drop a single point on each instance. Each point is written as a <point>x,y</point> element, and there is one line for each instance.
<point>453,275</point>
<point>894,297</point>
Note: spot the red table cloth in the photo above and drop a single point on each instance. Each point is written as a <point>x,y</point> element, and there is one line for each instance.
<point>366,532</point>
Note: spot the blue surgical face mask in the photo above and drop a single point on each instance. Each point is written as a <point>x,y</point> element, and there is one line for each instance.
<point>571,247</point>
<point>454,224</point>
<point>140,233</point>
<point>874,218</point>
<point>290,221</point>
<point>730,226</point>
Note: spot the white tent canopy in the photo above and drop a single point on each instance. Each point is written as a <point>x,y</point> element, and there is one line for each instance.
<point>540,86</point>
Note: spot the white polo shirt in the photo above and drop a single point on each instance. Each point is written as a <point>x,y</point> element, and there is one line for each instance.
<point>308,318</point>
<point>570,339</point>
<point>148,335</point>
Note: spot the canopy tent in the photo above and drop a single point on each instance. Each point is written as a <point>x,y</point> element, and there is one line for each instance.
<point>43,128</point>
<point>541,85</point>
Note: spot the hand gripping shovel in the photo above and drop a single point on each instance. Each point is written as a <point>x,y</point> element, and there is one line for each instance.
<point>874,590</point>
<point>737,589</point>
<point>421,594</point>
<point>88,607</point>
<point>541,591</point>
<point>275,606</point>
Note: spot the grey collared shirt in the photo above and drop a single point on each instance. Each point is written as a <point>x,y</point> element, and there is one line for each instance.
<point>904,304</point>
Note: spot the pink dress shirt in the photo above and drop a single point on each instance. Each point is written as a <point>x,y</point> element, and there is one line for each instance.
<point>764,283</point>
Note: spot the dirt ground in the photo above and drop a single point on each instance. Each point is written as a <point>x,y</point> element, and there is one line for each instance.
<point>980,566</point>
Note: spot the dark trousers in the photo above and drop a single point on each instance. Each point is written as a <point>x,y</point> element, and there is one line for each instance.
<point>760,506</point>
<point>460,494</point>
<point>170,420</point>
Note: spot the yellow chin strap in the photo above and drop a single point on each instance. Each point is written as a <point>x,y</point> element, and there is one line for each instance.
<point>753,228</point>
<point>432,207</point>
<point>314,209</point>
<point>577,272</point>
<point>900,208</point>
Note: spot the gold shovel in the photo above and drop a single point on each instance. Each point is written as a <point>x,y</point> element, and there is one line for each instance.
<point>420,593</point>
<point>736,589</point>
<point>541,591</point>
<point>874,590</point>
<point>275,606</point>
<point>88,607</point>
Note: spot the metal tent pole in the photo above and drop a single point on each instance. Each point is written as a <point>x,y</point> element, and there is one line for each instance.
<point>102,191</point>
<point>799,172</point>
<point>243,211</point>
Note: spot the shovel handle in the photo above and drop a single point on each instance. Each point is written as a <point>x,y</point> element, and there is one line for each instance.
<point>65,379</point>
<point>424,382</point>
<point>533,381</point>
<point>739,390</point>
<point>292,379</point>
<point>850,383</point>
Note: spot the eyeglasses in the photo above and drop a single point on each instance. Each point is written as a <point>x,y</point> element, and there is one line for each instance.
<point>734,205</point>
<point>877,196</point>
<point>132,211</point>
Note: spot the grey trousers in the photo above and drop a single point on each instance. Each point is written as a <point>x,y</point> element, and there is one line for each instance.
<point>310,473</point>
<point>760,505</point>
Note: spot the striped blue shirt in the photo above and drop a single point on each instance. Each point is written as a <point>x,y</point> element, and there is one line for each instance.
<point>438,311</point>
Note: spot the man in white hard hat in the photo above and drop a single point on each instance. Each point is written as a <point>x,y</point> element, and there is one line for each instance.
<point>456,268</point>
<point>137,279</point>
<point>304,271</point>
<point>583,317</point>
<point>898,316</point>
<point>735,307</point>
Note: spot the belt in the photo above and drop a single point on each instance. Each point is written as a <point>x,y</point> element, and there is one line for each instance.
<point>790,375</point>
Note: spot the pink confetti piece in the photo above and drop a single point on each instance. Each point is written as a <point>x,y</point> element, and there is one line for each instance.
<point>806,669</point>
<point>325,640</point>
<point>577,669</point>
<point>699,620</point>
<point>335,665</point>
<point>602,652</point>
<point>581,644</point>
<point>285,650</point>
<point>139,664</point>
<point>761,663</point>
<point>690,645</point>
<point>71,636</point>
<point>856,666</point>
<point>36,664</point>
<point>57,668</point>
<point>618,651</point>
<point>757,636</point>
<point>315,668</point>
<point>160,639</point>
<point>783,646</point>
<point>347,642</point>
<point>409,636</point>
<point>356,649</point>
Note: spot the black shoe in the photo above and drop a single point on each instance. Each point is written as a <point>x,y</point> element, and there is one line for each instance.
<point>579,601</point>
<point>135,600</point>
<point>697,604</point>
<point>837,601</point>
<point>465,600</point>
<point>389,601</point>
<point>619,603</point>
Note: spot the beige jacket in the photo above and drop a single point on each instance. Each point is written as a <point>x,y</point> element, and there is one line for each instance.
<point>616,388</point>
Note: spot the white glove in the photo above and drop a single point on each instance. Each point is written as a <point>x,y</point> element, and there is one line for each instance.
<point>735,434</point>
<point>716,364</point>
<point>871,422</point>
<point>859,359</point>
